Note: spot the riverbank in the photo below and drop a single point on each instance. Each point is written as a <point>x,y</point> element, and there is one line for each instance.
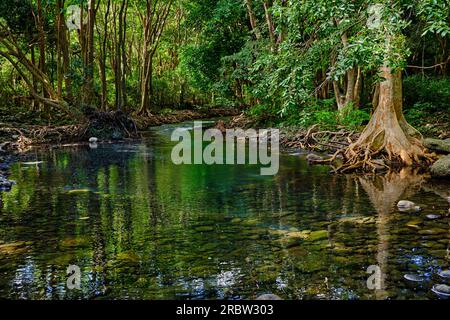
<point>76,201</point>
<point>104,126</point>
<point>5,163</point>
<point>324,145</point>
<point>107,127</point>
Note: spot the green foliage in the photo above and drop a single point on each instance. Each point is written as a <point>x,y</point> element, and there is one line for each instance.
<point>221,35</point>
<point>432,94</point>
<point>210,54</point>
<point>316,112</point>
<point>328,118</point>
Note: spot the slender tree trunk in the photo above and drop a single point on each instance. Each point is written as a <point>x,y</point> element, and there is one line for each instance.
<point>102,59</point>
<point>154,22</point>
<point>270,24</point>
<point>41,42</point>
<point>253,21</point>
<point>87,45</point>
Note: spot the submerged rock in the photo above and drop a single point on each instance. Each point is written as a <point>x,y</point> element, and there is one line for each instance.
<point>442,290</point>
<point>405,205</point>
<point>5,184</point>
<point>437,145</point>
<point>414,224</point>
<point>204,229</point>
<point>318,235</point>
<point>441,168</point>
<point>445,274</point>
<point>32,163</point>
<point>433,216</point>
<point>268,296</point>
<point>313,157</point>
<point>13,248</point>
<point>116,135</point>
<point>433,231</point>
<point>413,277</point>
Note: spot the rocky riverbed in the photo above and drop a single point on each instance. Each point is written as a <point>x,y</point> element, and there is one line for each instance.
<point>5,183</point>
<point>441,168</point>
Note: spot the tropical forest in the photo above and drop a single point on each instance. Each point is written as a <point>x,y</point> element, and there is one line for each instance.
<point>95,94</point>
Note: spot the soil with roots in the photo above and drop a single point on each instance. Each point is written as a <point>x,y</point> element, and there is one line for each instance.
<point>105,126</point>
<point>372,150</point>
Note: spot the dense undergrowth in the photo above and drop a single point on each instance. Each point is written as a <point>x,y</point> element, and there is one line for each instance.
<point>426,106</point>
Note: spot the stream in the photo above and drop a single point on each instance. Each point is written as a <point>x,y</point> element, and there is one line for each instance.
<point>140,227</point>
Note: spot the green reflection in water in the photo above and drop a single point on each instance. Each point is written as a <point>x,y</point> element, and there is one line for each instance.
<point>140,227</point>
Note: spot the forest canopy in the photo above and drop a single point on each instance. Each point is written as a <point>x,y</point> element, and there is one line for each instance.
<point>305,62</point>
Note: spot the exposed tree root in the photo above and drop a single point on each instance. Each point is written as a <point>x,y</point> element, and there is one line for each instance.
<point>98,123</point>
<point>312,139</point>
<point>388,140</point>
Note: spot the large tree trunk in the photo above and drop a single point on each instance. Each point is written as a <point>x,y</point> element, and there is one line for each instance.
<point>387,135</point>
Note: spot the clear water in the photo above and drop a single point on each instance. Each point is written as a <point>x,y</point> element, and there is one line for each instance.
<point>140,227</point>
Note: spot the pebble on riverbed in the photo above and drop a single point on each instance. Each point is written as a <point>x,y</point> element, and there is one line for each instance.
<point>268,297</point>
<point>413,278</point>
<point>405,205</point>
<point>445,274</point>
<point>5,184</point>
<point>442,290</point>
<point>313,158</point>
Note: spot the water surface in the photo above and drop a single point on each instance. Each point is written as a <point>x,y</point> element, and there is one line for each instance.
<point>140,227</point>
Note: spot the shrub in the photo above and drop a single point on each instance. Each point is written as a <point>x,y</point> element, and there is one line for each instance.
<point>432,93</point>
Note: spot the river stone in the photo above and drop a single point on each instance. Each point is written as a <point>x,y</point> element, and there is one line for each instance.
<point>313,157</point>
<point>442,290</point>
<point>5,185</point>
<point>204,229</point>
<point>413,277</point>
<point>407,205</point>
<point>117,135</point>
<point>437,145</point>
<point>318,235</point>
<point>445,274</point>
<point>433,216</point>
<point>433,231</point>
<point>414,224</point>
<point>268,296</point>
<point>441,168</point>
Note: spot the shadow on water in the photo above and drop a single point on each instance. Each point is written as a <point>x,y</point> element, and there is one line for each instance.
<point>140,227</point>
